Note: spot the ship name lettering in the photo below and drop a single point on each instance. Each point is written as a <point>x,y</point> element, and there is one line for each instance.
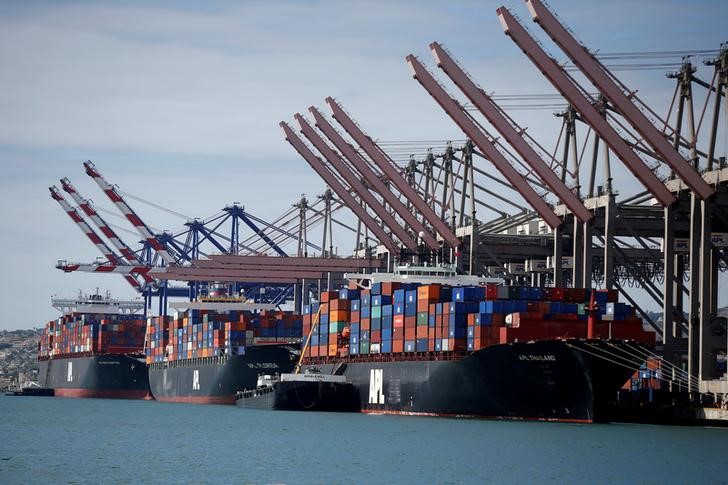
<point>69,376</point>
<point>537,358</point>
<point>376,386</point>
<point>263,365</point>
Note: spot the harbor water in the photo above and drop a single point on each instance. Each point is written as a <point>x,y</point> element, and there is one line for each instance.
<point>57,440</point>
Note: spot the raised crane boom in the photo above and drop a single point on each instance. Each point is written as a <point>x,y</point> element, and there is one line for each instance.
<point>386,165</point>
<point>599,76</point>
<point>459,116</point>
<point>490,110</point>
<point>142,270</point>
<point>95,239</point>
<point>362,166</point>
<point>340,190</point>
<point>134,219</point>
<point>105,229</point>
<point>558,78</point>
<point>338,164</point>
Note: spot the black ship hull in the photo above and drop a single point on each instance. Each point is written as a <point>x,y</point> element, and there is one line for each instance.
<point>113,376</point>
<point>547,380</point>
<point>215,380</point>
<point>303,396</point>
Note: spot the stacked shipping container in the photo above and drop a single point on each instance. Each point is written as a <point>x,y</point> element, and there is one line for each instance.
<point>87,333</point>
<point>408,318</point>
<point>203,333</point>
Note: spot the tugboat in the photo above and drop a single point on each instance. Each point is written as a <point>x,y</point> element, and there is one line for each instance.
<point>30,388</point>
<point>308,391</point>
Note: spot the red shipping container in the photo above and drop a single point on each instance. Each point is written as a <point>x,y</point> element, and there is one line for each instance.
<point>339,305</point>
<point>410,322</point>
<point>409,333</point>
<point>365,324</point>
<point>398,321</point>
<point>458,344</point>
<point>497,320</point>
<point>398,333</point>
<point>422,331</point>
<point>389,287</point>
<point>327,296</point>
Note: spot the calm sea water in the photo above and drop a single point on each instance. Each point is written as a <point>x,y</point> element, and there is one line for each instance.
<point>55,440</point>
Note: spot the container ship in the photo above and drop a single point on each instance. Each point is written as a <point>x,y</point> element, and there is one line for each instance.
<point>218,346</point>
<point>493,351</point>
<point>95,349</point>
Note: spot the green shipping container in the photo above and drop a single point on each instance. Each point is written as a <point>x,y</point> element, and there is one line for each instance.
<point>364,347</point>
<point>422,318</point>
<point>336,327</point>
<point>376,312</point>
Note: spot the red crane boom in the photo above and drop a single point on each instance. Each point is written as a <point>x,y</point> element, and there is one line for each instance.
<point>558,78</point>
<point>599,76</point>
<point>363,167</point>
<point>460,117</point>
<point>490,110</point>
<point>358,187</point>
<point>86,229</point>
<point>340,190</point>
<point>386,165</point>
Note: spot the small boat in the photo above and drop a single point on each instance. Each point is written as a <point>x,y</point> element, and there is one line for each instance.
<point>308,391</point>
<point>31,389</point>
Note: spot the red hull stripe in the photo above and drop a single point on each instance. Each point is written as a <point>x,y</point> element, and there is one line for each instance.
<point>473,416</point>
<point>101,393</point>
<point>198,399</point>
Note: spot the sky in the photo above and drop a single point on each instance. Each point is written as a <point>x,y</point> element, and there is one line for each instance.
<point>179,102</point>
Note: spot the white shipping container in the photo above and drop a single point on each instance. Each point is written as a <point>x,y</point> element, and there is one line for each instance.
<point>567,262</point>
<point>719,239</point>
<point>516,268</point>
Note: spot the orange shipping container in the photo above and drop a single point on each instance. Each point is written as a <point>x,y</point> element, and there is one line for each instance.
<point>397,346</point>
<point>339,316</point>
<point>428,292</point>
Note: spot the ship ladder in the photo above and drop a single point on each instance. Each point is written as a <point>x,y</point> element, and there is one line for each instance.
<point>339,369</point>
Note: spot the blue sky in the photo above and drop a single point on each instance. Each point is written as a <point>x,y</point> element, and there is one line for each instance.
<point>179,103</point>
